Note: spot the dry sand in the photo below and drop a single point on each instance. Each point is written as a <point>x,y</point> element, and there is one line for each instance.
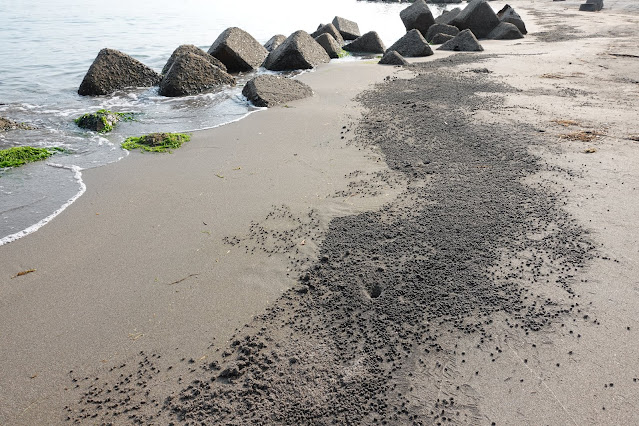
<point>491,278</point>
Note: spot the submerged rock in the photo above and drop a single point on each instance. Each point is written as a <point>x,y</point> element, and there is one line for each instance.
<point>329,29</point>
<point>478,17</point>
<point>6,124</point>
<point>192,73</point>
<point>113,70</point>
<point>238,50</point>
<point>101,121</point>
<point>505,31</point>
<point>274,42</point>
<point>269,90</point>
<point>391,57</point>
<point>465,41</point>
<point>412,45</point>
<point>348,29</point>
<point>368,43</point>
<point>329,44</point>
<point>189,48</point>
<point>417,16</point>
<point>298,51</point>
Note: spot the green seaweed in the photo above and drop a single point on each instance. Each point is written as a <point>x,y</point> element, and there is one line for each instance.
<point>126,116</point>
<point>91,120</point>
<point>156,142</point>
<point>55,149</point>
<point>342,53</point>
<point>20,155</point>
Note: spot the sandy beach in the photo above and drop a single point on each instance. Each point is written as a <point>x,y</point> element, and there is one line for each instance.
<point>454,241</point>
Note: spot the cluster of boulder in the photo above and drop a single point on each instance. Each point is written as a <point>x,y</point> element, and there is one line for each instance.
<point>591,6</point>
<point>298,51</point>
<point>456,30</point>
<point>6,124</point>
<point>190,70</point>
<point>333,37</point>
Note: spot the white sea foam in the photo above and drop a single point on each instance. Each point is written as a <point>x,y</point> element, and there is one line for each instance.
<point>77,174</point>
<point>256,109</point>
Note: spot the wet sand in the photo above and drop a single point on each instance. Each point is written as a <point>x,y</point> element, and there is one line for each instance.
<point>154,257</point>
<point>455,258</point>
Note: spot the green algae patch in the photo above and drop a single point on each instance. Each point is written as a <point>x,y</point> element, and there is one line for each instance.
<point>103,120</point>
<point>156,142</point>
<point>20,155</point>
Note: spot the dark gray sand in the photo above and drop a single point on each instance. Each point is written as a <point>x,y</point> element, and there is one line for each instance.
<point>467,245</point>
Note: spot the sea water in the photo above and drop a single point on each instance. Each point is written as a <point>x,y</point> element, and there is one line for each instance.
<point>47,47</point>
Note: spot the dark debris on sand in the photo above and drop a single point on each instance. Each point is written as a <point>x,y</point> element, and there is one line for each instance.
<point>443,259</point>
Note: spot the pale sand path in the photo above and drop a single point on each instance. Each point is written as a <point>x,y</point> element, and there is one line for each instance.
<point>567,379</point>
<point>102,288</point>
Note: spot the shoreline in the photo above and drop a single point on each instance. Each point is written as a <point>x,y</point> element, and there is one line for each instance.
<point>179,291</point>
<point>42,222</point>
<point>82,187</point>
<point>77,174</point>
<point>104,218</point>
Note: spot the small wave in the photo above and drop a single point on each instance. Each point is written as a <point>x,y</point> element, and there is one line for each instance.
<point>77,174</point>
<point>254,109</point>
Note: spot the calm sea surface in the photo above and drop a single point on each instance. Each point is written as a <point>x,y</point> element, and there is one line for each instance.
<point>47,46</point>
